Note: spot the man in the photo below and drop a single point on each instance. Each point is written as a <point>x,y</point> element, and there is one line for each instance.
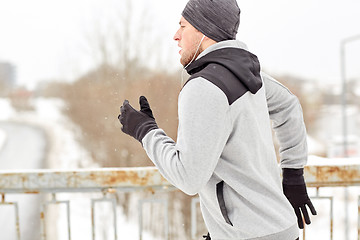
<point>224,150</point>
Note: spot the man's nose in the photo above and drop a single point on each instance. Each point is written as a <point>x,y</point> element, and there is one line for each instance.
<point>177,36</point>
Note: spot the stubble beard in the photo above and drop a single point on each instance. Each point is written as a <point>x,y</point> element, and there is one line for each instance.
<point>187,56</point>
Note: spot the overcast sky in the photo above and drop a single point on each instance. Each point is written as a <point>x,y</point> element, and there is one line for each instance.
<point>49,39</point>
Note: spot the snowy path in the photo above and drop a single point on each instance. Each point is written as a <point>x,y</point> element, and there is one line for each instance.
<point>3,137</point>
<point>23,148</point>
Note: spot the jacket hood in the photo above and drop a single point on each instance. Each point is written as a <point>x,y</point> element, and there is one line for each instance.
<point>243,64</point>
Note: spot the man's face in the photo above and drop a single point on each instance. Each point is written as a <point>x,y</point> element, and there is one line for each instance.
<point>188,39</point>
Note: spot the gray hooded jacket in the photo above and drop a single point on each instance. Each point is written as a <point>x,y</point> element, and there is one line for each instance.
<point>224,149</point>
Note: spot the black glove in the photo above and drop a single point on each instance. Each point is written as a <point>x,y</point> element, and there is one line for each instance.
<point>137,123</point>
<point>295,191</point>
<point>207,237</point>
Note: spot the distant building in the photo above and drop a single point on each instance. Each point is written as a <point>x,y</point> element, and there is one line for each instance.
<point>7,74</point>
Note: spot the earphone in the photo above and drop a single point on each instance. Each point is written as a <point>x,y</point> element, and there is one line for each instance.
<point>197,49</point>
<point>202,39</point>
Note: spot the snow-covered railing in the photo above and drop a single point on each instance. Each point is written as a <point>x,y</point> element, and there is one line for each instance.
<point>319,173</point>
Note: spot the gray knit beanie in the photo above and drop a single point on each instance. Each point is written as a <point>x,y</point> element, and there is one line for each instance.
<point>216,19</point>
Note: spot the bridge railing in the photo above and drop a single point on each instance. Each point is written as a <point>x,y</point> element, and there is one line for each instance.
<point>320,173</point>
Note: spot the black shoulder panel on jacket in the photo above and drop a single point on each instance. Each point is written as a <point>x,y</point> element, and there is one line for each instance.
<point>221,77</point>
<point>235,71</point>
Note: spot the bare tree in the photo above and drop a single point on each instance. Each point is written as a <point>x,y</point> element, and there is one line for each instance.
<point>123,38</point>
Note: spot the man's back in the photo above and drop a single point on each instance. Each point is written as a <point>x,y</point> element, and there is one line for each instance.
<point>246,180</point>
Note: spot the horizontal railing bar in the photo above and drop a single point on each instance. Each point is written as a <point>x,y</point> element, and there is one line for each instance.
<point>324,173</point>
<point>332,176</point>
<point>151,189</point>
<point>48,180</point>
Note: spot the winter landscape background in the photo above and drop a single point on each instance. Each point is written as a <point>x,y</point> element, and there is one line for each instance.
<point>63,79</point>
<point>35,133</point>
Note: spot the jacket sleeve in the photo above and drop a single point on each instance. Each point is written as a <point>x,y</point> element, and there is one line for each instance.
<point>203,131</point>
<point>287,118</point>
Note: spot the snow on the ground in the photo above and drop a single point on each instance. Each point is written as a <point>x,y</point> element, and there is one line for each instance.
<point>65,152</point>
<point>2,138</point>
<point>6,110</point>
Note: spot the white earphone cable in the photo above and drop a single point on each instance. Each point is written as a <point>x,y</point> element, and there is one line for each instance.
<point>182,72</point>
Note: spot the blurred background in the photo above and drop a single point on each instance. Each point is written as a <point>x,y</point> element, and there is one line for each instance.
<point>67,66</point>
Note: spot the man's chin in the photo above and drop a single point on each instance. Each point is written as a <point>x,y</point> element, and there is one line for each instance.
<point>184,62</point>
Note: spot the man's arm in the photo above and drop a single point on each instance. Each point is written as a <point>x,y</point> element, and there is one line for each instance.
<point>286,113</point>
<point>288,123</point>
<point>202,133</point>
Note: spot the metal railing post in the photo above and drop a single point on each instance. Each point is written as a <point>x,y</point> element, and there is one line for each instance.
<point>17,218</point>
